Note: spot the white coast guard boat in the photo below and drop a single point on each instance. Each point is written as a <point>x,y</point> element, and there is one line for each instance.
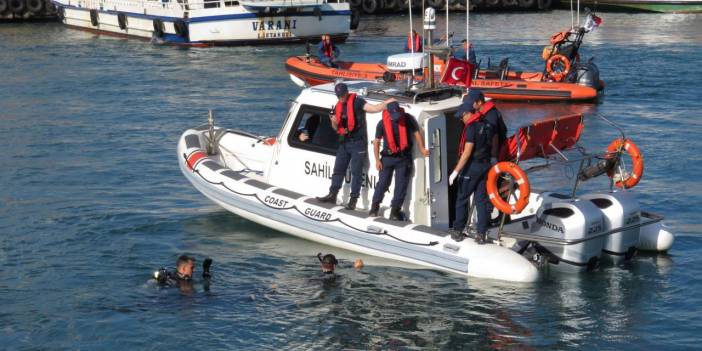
<point>212,22</point>
<point>273,181</point>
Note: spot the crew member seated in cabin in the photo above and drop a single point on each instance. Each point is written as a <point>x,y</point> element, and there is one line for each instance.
<point>414,42</point>
<point>396,130</point>
<point>477,145</point>
<point>308,131</point>
<point>349,121</point>
<point>467,48</point>
<point>183,275</point>
<point>327,51</point>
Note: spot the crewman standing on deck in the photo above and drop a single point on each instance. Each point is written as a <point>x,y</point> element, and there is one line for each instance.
<point>490,113</point>
<point>327,51</point>
<point>396,130</point>
<point>467,54</point>
<point>414,42</point>
<point>349,121</point>
<point>477,145</point>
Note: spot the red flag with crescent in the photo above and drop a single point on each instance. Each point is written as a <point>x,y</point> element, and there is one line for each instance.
<point>458,72</point>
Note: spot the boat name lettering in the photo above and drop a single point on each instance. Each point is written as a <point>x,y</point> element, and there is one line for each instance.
<point>549,225</point>
<point>324,170</point>
<point>317,214</point>
<point>274,25</point>
<point>397,64</point>
<point>488,83</point>
<point>276,202</point>
<point>348,74</point>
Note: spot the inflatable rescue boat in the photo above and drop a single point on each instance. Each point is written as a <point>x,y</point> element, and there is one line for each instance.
<point>273,181</point>
<point>564,78</point>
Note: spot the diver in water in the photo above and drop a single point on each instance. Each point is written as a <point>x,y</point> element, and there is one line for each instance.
<point>328,263</point>
<point>183,275</point>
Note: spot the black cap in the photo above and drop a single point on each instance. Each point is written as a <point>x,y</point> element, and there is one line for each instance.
<point>394,110</point>
<point>327,259</point>
<point>465,107</point>
<point>473,96</point>
<point>341,89</point>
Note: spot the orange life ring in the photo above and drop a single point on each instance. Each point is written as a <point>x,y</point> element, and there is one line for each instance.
<point>637,160</point>
<point>560,75</point>
<point>521,179</point>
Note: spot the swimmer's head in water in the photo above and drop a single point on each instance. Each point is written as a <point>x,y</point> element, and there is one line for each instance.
<point>328,262</point>
<point>185,265</point>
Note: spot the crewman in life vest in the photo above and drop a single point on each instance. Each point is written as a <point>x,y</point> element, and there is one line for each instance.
<point>490,113</point>
<point>327,51</point>
<point>477,146</point>
<point>396,130</point>
<point>349,121</point>
<point>414,42</point>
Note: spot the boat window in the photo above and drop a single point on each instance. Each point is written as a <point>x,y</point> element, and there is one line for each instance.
<point>436,143</point>
<point>312,131</point>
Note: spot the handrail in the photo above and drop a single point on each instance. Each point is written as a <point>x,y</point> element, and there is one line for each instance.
<point>186,5</point>
<point>651,218</point>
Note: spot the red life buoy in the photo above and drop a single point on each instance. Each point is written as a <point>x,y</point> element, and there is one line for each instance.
<point>195,157</point>
<point>551,69</point>
<point>636,158</point>
<point>519,176</point>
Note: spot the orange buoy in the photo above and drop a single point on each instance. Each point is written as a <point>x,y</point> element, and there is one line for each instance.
<point>559,37</point>
<point>520,177</point>
<point>551,67</point>
<point>637,159</point>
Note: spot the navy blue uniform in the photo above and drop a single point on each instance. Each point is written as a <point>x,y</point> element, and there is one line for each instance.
<point>400,164</point>
<point>352,149</point>
<point>471,180</point>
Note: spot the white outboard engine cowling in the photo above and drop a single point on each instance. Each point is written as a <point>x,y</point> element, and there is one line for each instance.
<point>571,221</point>
<point>620,209</point>
<point>408,62</point>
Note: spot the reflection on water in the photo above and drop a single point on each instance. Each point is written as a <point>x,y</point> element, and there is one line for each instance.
<point>92,202</point>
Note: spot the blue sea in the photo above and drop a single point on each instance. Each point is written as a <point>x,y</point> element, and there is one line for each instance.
<point>92,202</point>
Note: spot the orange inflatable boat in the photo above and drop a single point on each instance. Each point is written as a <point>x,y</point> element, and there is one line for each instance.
<point>565,77</point>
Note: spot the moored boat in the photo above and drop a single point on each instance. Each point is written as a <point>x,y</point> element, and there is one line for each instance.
<point>273,181</point>
<point>211,22</point>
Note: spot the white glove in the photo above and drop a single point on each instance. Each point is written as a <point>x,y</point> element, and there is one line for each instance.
<point>452,177</point>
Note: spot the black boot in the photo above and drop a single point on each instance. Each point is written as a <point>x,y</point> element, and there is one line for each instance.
<point>480,238</point>
<point>456,235</point>
<point>352,203</point>
<point>375,208</point>
<point>395,214</point>
<point>331,197</point>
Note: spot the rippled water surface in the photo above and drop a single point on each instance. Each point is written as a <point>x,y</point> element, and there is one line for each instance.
<point>92,201</point>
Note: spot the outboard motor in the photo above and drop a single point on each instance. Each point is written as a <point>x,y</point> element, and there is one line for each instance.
<point>620,209</point>
<point>586,74</point>
<point>571,221</point>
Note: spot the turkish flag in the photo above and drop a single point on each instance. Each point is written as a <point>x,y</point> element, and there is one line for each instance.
<point>458,72</point>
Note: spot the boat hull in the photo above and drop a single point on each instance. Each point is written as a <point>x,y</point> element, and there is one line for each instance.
<point>206,27</point>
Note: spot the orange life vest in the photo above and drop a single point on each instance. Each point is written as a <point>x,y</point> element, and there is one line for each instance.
<point>478,115</point>
<point>350,115</point>
<point>390,136</point>
<point>328,49</point>
<point>414,41</point>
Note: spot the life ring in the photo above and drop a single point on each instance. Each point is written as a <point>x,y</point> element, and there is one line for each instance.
<point>437,4</point>
<point>355,19</point>
<point>94,18</point>
<point>3,6</point>
<point>370,6</point>
<point>34,6</point>
<point>636,158</point>
<point>520,177</point>
<point>526,4</point>
<point>122,21</point>
<point>17,6</point>
<point>181,28</point>
<point>551,67</point>
<point>158,28</point>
